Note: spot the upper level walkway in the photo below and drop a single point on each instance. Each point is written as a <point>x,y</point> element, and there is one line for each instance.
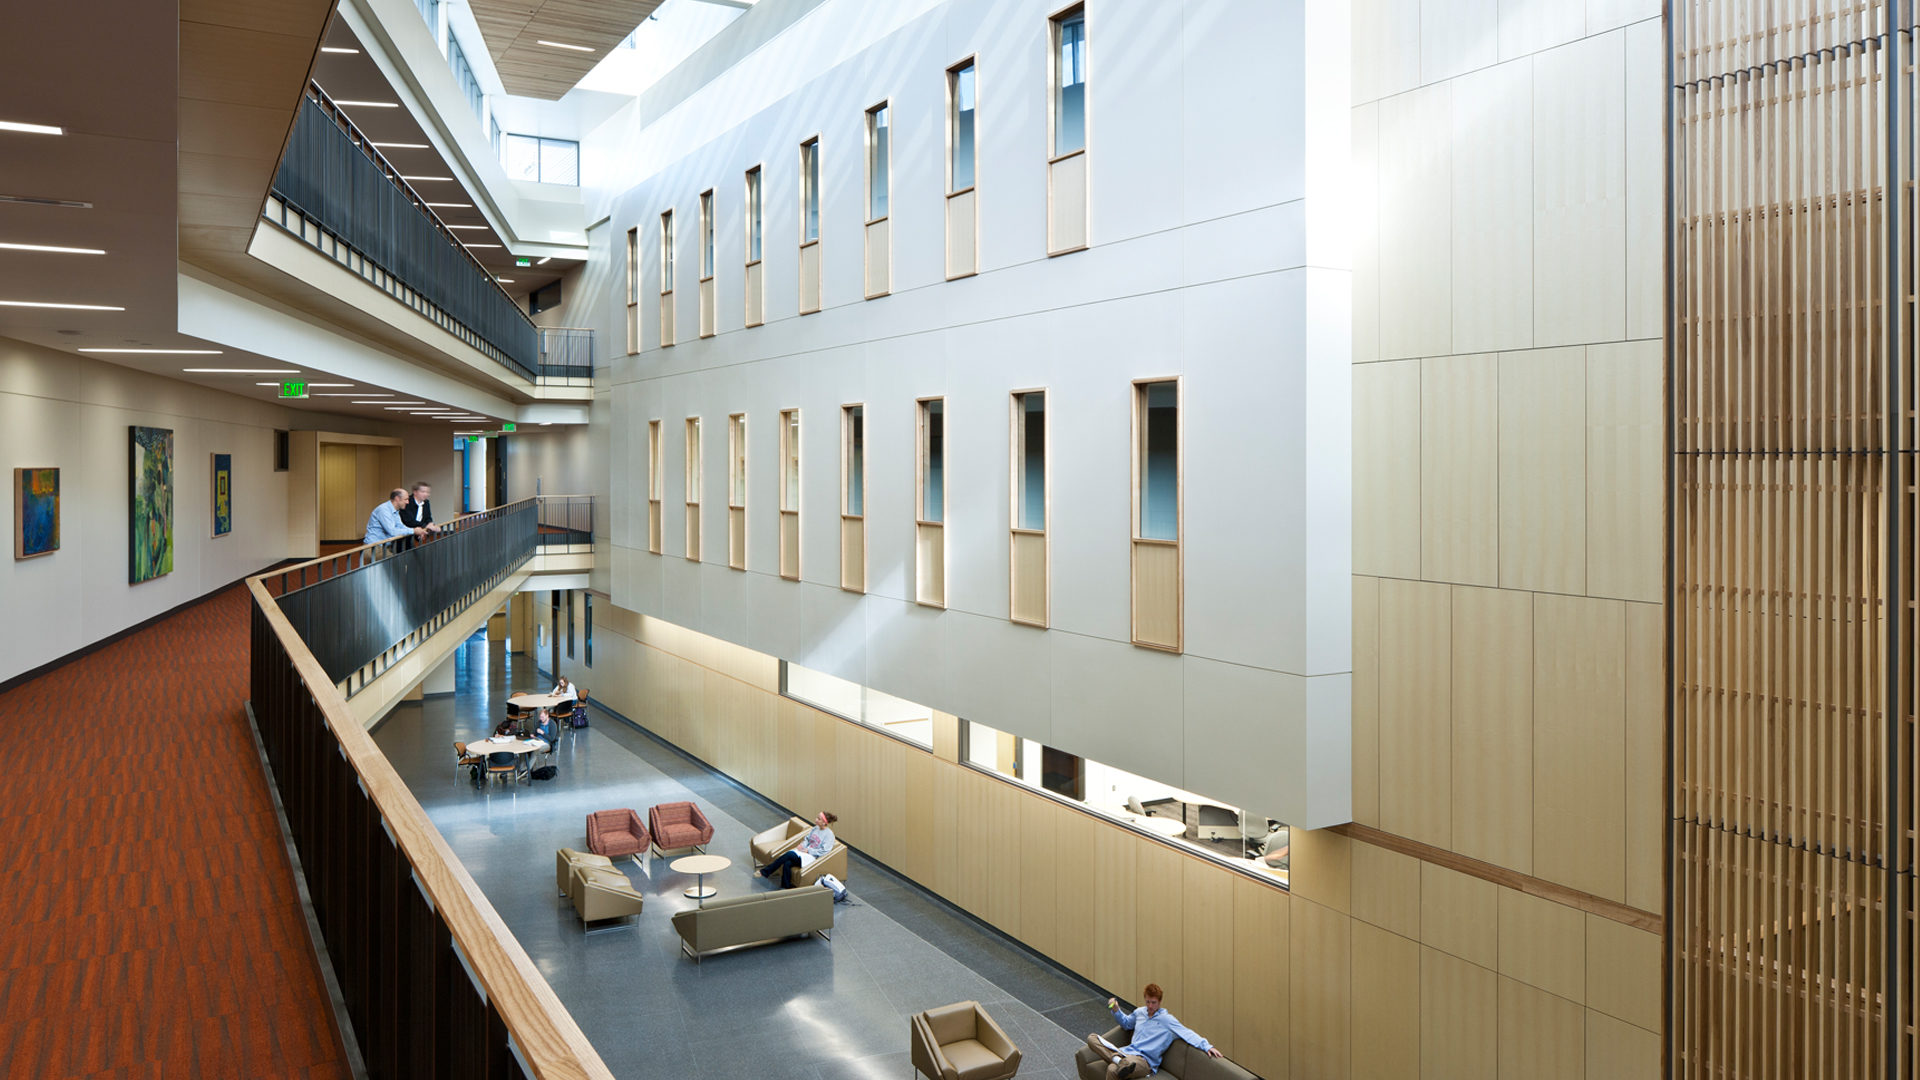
<point>153,925</point>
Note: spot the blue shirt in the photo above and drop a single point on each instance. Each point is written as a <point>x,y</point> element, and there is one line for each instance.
<point>385,524</point>
<point>1153,1034</point>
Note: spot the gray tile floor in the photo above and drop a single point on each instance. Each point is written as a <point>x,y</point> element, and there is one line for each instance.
<point>805,1008</point>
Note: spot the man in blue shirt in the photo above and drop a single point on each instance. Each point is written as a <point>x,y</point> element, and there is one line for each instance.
<point>385,524</point>
<point>1153,1030</point>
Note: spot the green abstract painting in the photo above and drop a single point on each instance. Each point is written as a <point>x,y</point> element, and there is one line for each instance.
<point>222,494</point>
<point>150,504</point>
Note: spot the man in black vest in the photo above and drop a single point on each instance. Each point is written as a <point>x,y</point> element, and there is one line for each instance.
<point>418,513</point>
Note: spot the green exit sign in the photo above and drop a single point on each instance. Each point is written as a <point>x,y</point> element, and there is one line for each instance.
<point>508,426</point>
<point>293,389</point>
<point>523,262</point>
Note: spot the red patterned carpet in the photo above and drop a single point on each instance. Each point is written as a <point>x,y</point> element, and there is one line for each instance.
<point>149,921</point>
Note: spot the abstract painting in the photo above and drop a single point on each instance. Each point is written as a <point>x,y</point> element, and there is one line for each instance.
<point>36,512</point>
<point>150,504</point>
<point>222,494</point>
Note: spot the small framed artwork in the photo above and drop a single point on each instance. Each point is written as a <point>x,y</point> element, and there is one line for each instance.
<point>222,494</point>
<point>149,504</point>
<point>36,512</point>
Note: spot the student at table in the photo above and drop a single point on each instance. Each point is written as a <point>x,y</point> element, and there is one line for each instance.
<point>564,689</point>
<point>506,728</point>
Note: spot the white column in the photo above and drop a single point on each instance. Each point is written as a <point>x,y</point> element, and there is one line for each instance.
<point>477,473</point>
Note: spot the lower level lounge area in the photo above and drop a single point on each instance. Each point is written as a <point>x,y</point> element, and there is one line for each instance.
<point>805,1006</point>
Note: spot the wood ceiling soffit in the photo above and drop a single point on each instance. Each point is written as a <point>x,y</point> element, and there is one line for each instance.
<point>513,30</point>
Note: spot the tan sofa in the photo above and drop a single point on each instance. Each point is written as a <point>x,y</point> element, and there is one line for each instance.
<point>601,894</point>
<point>754,919</point>
<point>566,859</point>
<point>1181,1061</point>
<point>961,1042</point>
<point>784,837</point>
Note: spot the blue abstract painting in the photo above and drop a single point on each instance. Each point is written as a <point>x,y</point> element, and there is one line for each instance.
<point>36,512</point>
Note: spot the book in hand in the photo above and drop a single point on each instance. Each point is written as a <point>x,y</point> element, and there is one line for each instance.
<point>1108,1045</point>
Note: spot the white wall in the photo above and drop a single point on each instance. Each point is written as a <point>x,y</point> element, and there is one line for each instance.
<point>559,457</point>
<point>60,410</point>
<point>1198,267</point>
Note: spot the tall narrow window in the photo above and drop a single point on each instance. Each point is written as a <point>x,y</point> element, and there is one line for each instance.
<point>693,488</point>
<point>587,622</point>
<point>963,206</point>
<point>656,485</point>
<point>737,491</point>
<point>1028,550</point>
<point>810,226</point>
<point>633,290</point>
<point>853,498</point>
<point>930,538</point>
<point>790,494</point>
<point>755,290</point>
<point>879,229</point>
<point>707,288</point>
<point>1156,510</point>
<point>666,279</point>
<point>1067,132</point>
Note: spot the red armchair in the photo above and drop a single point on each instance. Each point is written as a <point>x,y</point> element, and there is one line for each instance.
<point>614,833</point>
<point>679,827</point>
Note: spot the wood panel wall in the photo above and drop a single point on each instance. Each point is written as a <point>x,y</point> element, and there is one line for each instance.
<point>1376,964</point>
<point>1793,565</point>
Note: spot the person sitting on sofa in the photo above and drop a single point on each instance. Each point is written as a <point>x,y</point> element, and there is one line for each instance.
<point>1153,1031</point>
<point>815,845</point>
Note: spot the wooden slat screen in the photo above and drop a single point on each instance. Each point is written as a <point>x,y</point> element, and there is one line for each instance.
<point>1791,379</point>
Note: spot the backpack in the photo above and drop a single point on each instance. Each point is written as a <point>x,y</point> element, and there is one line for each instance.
<point>579,716</point>
<point>545,772</point>
<point>833,885</point>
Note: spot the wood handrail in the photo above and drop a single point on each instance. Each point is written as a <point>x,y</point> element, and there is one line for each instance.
<point>548,1038</point>
<point>354,552</point>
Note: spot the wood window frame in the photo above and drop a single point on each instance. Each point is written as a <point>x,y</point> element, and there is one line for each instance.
<point>692,478</point>
<point>1016,441</point>
<point>1137,406</point>
<point>633,290</point>
<point>970,194</point>
<point>809,191</point>
<point>849,521</point>
<point>1054,22</point>
<point>737,490</point>
<point>876,230</point>
<point>753,198</point>
<point>789,478</point>
<point>922,455</point>
<point>656,485</point>
<point>709,266</point>
<point>668,333</point>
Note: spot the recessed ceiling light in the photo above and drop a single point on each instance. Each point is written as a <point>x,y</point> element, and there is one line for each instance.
<point>563,45</point>
<point>483,245</point>
<point>426,178</point>
<point>365,393</point>
<point>401,145</point>
<point>161,352</point>
<point>368,104</point>
<point>387,402</point>
<point>544,260</point>
<point>466,226</point>
<point>339,49</point>
<point>452,205</point>
<point>32,129</point>
<point>353,394</point>
<point>240,371</point>
<point>54,249</point>
<point>332,384</point>
<point>504,280</point>
<point>67,307</point>
<point>36,200</point>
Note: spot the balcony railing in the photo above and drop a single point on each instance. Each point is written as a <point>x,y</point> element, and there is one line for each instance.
<point>566,523</point>
<point>433,983</point>
<point>566,355</point>
<point>338,193</point>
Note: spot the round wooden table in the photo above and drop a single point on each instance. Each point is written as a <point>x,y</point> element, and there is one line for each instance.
<point>700,866</point>
<point>1167,827</point>
<point>537,701</point>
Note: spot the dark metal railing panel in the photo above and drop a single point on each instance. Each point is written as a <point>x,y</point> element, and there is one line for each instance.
<point>566,520</point>
<point>331,174</point>
<point>386,593</point>
<point>566,354</point>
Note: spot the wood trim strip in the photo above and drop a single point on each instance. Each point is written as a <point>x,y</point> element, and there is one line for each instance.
<point>1512,879</point>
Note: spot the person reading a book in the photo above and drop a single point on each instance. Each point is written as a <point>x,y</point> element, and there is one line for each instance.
<point>817,844</point>
<point>1154,1029</point>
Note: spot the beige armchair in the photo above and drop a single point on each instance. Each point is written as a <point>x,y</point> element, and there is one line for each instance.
<point>566,859</point>
<point>601,894</point>
<point>770,845</point>
<point>783,838</point>
<point>961,1042</point>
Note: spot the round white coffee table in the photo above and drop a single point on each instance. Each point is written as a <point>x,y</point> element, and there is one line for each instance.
<point>700,866</point>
